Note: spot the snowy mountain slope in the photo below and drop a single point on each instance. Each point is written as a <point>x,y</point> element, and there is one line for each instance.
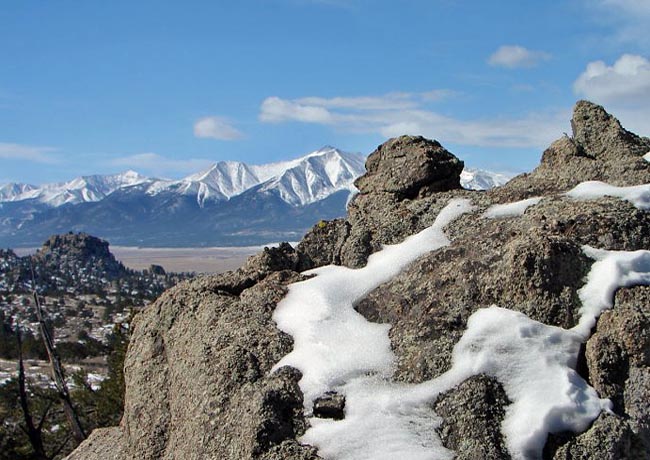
<point>79,190</point>
<point>298,182</point>
<point>478,179</point>
<point>318,176</point>
<point>9,192</point>
<point>221,181</point>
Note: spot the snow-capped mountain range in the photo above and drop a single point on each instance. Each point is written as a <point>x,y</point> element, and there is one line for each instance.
<point>230,203</point>
<point>299,182</point>
<point>478,179</point>
<point>78,190</point>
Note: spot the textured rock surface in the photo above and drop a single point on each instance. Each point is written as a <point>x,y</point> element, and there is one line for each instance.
<point>198,369</point>
<point>618,358</point>
<point>197,373</point>
<point>470,433</point>
<point>409,166</point>
<point>104,443</point>
<point>81,249</point>
<point>609,438</point>
<point>330,405</point>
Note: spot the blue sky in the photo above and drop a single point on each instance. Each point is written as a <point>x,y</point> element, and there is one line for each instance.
<point>168,87</point>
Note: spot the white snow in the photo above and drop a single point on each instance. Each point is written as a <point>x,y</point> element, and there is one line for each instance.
<point>78,190</point>
<point>478,179</point>
<point>95,380</point>
<point>337,349</point>
<point>514,209</point>
<point>334,346</point>
<point>638,195</point>
<point>612,270</point>
<point>535,364</point>
<point>646,157</point>
<point>332,342</point>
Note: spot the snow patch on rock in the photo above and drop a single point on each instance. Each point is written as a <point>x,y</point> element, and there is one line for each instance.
<point>514,209</point>
<point>611,271</point>
<point>638,195</point>
<point>337,349</point>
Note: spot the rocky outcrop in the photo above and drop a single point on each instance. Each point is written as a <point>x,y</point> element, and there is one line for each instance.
<point>600,149</point>
<point>78,250</point>
<point>410,166</point>
<point>198,371</point>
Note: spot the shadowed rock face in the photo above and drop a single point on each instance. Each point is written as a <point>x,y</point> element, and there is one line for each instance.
<point>198,368</point>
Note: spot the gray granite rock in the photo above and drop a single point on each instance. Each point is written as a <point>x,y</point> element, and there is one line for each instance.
<point>198,370</point>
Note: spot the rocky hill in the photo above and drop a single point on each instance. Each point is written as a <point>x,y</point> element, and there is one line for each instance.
<point>73,266</point>
<point>511,323</point>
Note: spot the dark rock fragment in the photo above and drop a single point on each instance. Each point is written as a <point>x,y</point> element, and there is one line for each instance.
<point>330,405</point>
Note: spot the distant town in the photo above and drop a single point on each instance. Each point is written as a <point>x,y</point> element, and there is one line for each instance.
<point>85,294</point>
<point>87,300</point>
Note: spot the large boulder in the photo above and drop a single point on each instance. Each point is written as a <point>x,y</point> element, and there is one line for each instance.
<point>408,166</point>
<point>198,370</point>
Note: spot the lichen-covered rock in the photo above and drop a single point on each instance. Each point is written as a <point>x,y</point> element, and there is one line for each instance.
<point>473,434</point>
<point>408,166</point>
<point>322,244</point>
<point>198,374</point>
<point>600,149</point>
<point>198,370</point>
<point>618,358</point>
<point>609,438</point>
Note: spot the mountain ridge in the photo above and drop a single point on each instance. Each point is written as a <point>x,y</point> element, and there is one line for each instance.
<point>218,177</point>
<point>228,204</point>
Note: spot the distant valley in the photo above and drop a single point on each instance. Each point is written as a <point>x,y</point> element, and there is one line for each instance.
<point>229,204</point>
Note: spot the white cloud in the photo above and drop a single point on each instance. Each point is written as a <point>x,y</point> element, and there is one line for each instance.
<point>319,109</point>
<point>532,130</point>
<point>276,110</point>
<point>626,82</point>
<point>514,56</point>
<point>406,113</point>
<point>27,152</point>
<point>157,165</point>
<point>216,128</point>
<point>628,18</point>
<point>623,87</point>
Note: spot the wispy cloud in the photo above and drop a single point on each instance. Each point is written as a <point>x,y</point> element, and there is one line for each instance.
<point>515,56</point>
<point>629,18</point>
<point>407,113</point>
<point>632,7</point>
<point>37,154</point>
<point>216,127</point>
<point>158,165</point>
<point>623,86</point>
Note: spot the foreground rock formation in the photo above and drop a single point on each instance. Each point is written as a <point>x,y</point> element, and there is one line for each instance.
<point>198,371</point>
